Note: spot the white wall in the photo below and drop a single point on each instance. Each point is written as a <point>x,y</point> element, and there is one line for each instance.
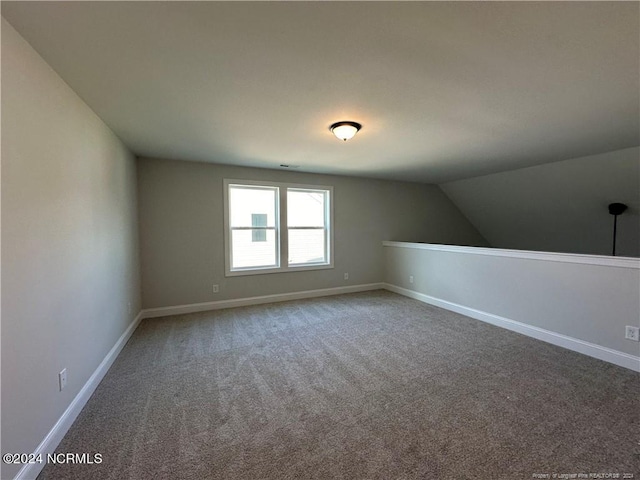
<point>557,207</point>
<point>590,299</point>
<point>181,230</point>
<point>69,244</point>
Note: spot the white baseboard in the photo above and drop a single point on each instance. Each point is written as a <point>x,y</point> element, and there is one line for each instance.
<point>59,430</point>
<point>243,302</point>
<point>591,349</point>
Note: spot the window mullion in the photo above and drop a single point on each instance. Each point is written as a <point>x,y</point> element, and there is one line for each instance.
<point>284,232</point>
<point>327,225</point>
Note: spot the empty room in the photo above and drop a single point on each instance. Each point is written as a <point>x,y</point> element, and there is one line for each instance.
<point>318,240</point>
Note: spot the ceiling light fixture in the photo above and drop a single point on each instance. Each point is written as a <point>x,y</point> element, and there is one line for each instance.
<point>345,130</point>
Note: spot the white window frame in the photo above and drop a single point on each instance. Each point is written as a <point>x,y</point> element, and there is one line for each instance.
<point>281,229</point>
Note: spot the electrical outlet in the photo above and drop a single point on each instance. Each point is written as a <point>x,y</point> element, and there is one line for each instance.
<point>410,278</point>
<point>216,289</point>
<point>346,276</point>
<point>62,379</point>
<point>632,333</point>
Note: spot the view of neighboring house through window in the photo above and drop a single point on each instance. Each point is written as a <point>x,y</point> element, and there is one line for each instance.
<point>266,222</point>
<point>259,224</point>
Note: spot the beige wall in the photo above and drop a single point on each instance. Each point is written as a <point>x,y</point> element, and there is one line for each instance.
<point>558,207</point>
<point>69,244</point>
<point>181,230</point>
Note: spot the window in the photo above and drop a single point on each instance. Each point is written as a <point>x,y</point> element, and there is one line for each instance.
<point>266,223</point>
<point>307,226</point>
<point>253,225</point>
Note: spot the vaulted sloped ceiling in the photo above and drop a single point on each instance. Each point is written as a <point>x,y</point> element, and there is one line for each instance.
<point>558,207</point>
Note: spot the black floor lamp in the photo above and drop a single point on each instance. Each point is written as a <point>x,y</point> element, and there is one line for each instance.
<point>616,209</point>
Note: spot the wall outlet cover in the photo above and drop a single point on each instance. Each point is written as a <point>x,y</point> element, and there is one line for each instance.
<point>62,379</point>
<point>632,333</point>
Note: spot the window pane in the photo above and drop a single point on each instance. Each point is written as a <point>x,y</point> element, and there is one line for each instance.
<point>305,208</point>
<point>307,246</point>
<point>247,253</point>
<point>245,202</point>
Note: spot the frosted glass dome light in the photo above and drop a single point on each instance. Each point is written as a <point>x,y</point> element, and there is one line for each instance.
<point>345,130</point>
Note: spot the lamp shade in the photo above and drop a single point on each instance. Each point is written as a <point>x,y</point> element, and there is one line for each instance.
<point>345,130</point>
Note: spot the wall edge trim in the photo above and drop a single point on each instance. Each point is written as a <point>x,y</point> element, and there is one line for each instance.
<point>619,262</point>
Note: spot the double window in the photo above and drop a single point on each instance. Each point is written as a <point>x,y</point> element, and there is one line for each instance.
<point>276,227</point>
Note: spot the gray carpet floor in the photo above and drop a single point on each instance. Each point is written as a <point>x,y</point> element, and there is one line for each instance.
<point>371,385</point>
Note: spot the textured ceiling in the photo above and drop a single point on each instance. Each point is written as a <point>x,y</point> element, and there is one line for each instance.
<point>445,90</point>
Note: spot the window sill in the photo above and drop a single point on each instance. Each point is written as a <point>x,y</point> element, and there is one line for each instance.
<point>288,269</point>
